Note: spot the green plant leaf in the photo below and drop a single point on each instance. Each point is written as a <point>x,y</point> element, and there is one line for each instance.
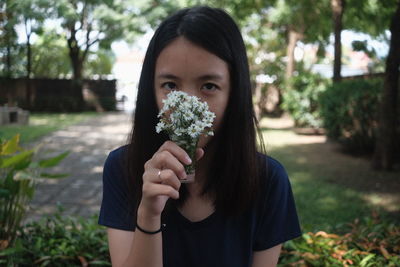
<point>51,162</point>
<point>17,160</point>
<point>11,146</point>
<point>366,259</point>
<point>54,176</point>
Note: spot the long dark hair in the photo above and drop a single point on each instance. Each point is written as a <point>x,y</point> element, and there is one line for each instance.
<point>233,177</point>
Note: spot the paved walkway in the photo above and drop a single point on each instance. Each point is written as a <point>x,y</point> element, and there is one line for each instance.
<point>89,144</point>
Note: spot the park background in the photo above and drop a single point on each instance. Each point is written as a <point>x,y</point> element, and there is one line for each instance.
<point>325,76</point>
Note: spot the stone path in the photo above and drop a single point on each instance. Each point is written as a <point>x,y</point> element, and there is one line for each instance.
<point>89,144</point>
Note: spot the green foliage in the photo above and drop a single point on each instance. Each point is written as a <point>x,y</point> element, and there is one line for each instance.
<point>59,241</point>
<point>301,99</point>
<point>50,50</point>
<point>99,63</point>
<point>349,111</point>
<point>18,171</point>
<point>370,242</point>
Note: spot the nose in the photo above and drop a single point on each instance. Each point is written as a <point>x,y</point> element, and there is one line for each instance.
<point>190,91</point>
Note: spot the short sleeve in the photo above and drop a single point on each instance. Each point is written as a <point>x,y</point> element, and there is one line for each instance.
<point>115,211</point>
<point>277,216</point>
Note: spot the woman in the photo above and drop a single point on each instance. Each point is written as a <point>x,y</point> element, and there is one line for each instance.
<point>240,209</point>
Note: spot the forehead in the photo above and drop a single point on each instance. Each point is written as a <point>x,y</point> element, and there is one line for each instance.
<point>186,58</point>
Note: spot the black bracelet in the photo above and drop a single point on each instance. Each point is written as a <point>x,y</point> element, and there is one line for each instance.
<point>149,232</point>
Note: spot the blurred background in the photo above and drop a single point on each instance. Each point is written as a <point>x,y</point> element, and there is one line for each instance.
<point>325,77</point>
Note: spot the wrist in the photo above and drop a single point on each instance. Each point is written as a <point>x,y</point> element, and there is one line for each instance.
<point>148,221</point>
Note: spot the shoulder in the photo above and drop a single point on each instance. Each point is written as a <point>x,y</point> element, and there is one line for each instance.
<point>275,184</point>
<point>272,170</point>
<point>117,155</point>
<point>276,214</point>
<point>115,158</point>
<point>115,171</point>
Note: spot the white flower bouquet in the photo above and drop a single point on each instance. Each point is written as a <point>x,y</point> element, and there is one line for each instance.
<point>185,118</point>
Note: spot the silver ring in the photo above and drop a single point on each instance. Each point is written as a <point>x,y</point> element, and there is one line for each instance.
<point>159,175</point>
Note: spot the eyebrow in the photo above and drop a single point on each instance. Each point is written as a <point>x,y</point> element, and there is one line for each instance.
<point>201,78</point>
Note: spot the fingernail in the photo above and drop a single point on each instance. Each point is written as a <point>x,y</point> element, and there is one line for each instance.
<point>188,160</point>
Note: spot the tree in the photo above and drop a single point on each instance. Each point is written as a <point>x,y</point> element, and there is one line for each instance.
<point>337,15</point>
<point>388,118</point>
<point>99,63</point>
<point>50,50</point>
<point>32,14</point>
<point>8,35</point>
<point>90,24</point>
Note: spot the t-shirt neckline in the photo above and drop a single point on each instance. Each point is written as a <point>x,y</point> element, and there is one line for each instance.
<point>194,224</point>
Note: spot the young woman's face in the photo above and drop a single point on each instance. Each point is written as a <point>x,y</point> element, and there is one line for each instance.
<point>184,66</point>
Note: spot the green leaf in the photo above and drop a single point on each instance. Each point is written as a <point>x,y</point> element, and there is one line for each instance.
<point>51,162</point>
<point>17,160</point>
<point>11,146</point>
<point>366,259</point>
<point>4,192</point>
<point>53,176</point>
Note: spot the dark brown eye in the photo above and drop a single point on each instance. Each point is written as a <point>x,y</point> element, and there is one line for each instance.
<point>209,87</point>
<point>169,85</point>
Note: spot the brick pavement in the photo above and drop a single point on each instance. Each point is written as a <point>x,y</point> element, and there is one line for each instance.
<point>89,144</point>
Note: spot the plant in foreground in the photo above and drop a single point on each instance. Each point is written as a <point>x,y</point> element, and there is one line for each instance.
<point>59,241</point>
<point>368,242</point>
<point>18,172</point>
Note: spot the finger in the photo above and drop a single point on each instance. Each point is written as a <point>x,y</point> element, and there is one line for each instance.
<point>199,153</point>
<point>168,177</point>
<point>165,160</point>
<point>177,151</point>
<point>154,190</point>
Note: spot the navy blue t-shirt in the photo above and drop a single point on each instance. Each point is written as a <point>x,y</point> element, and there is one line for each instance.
<point>217,240</point>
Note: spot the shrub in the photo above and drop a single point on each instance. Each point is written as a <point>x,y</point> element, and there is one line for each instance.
<point>301,98</point>
<point>18,171</point>
<point>349,112</point>
<point>370,242</point>
<point>59,241</point>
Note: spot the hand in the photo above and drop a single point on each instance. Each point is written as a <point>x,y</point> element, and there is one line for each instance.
<point>161,178</point>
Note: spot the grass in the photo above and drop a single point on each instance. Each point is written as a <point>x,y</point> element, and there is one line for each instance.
<point>41,124</point>
<point>331,188</point>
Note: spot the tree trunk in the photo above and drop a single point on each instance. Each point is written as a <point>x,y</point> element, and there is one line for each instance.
<point>8,34</point>
<point>257,96</point>
<point>28,70</point>
<point>386,134</point>
<point>337,12</point>
<point>77,67</point>
<point>8,73</point>
<point>293,37</point>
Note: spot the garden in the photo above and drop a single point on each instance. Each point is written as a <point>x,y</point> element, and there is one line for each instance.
<point>337,134</point>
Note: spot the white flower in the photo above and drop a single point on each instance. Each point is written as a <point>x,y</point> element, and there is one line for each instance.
<point>160,126</point>
<point>185,118</point>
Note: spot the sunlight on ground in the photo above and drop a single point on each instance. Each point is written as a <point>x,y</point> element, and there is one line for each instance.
<point>388,202</point>
<point>326,181</point>
<point>277,133</point>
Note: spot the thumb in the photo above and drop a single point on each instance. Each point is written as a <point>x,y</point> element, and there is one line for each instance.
<point>199,153</point>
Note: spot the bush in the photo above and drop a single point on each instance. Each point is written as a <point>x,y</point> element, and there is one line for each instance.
<point>18,171</point>
<point>59,241</point>
<point>349,111</point>
<point>367,243</point>
<point>301,99</point>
